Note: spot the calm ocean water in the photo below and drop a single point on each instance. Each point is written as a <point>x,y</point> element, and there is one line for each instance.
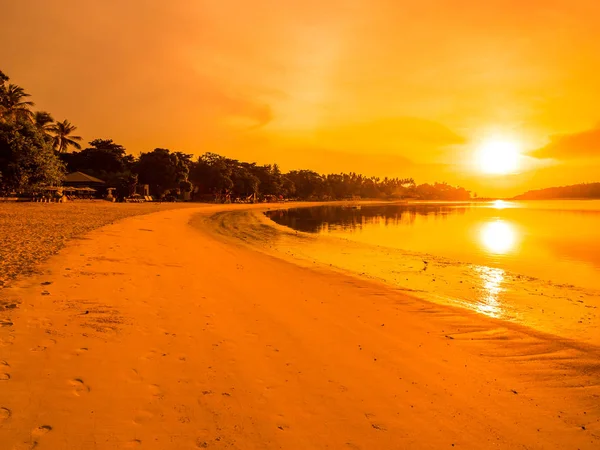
<point>504,259</point>
<point>555,240</point>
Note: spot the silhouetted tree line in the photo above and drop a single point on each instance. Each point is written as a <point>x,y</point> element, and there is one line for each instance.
<point>213,177</point>
<point>584,190</point>
<point>35,152</point>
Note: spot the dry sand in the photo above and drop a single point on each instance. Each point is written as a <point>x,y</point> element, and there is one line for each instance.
<point>31,232</point>
<point>156,334</point>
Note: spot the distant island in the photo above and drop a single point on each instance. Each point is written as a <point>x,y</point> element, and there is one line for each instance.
<point>583,191</point>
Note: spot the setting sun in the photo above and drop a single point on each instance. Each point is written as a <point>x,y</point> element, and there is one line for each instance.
<point>498,157</point>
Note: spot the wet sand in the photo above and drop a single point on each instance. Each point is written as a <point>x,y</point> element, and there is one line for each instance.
<point>156,333</point>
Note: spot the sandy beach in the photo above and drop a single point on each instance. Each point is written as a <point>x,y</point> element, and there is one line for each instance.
<point>157,332</point>
<point>31,232</point>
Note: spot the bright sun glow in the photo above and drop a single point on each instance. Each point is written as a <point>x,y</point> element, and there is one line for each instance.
<point>498,157</point>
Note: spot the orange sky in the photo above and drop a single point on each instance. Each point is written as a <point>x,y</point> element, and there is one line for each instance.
<point>383,87</point>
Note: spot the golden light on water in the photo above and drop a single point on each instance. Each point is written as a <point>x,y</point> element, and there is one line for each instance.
<point>502,204</point>
<point>498,237</point>
<point>491,282</point>
<point>498,157</point>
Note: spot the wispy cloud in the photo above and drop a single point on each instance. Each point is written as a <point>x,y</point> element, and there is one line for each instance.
<point>584,144</point>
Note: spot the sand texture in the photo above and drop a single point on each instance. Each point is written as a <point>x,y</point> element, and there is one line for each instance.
<point>31,232</point>
<point>157,333</point>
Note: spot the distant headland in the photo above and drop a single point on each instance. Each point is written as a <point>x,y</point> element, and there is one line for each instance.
<point>574,191</point>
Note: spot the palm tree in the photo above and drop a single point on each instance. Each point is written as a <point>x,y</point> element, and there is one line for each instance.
<point>43,121</point>
<point>3,80</point>
<point>62,136</point>
<point>12,103</point>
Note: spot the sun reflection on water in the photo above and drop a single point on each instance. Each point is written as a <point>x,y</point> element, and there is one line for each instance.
<point>491,279</point>
<point>498,237</point>
<point>501,204</point>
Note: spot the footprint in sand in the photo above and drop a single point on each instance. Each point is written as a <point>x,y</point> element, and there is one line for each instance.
<point>43,346</point>
<point>142,416</point>
<point>133,376</point>
<point>8,305</point>
<point>376,426</point>
<point>151,355</point>
<point>41,431</point>
<point>35,435</point>
<point>6,340</point>
<point>156,391</point>
<point>79,387</point>
<point>5,414</point>
<point>75,353</point>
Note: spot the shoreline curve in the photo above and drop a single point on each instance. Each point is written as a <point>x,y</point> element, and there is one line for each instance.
<point>156,333</point>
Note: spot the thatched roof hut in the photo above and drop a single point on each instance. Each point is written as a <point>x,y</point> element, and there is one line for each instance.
<point>80,179</point>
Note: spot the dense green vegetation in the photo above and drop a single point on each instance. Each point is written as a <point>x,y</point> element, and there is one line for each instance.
<point>27,156</point>
<point>36,151</point>
<point>585,190</point>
